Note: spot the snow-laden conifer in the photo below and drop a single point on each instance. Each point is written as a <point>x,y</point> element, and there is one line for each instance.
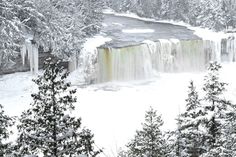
<point>47,127</point>
<point>149,141</point>
<point>5,123</point>
<point>220,113</point>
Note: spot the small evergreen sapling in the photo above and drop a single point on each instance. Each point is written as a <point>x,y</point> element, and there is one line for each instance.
<point>149,141</point>
<point>5,123</point>
<point>47,128</point>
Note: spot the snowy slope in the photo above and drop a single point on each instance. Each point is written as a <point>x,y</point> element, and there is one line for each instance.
<point>113,111</point>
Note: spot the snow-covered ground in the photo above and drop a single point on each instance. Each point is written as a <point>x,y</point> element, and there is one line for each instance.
<point>114,110</point>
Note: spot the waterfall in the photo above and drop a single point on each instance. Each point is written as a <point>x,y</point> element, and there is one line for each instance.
<point>145,60</point>
<point>229,49</point>
<point>126,63</point>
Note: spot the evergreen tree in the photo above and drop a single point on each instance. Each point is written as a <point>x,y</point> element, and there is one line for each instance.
<point>47,127</point>
<point>149,141</point>
<point>5,122</point>
<point>190,133</point>
<point>219,113</point>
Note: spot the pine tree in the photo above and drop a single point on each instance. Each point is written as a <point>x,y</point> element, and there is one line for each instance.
<point>219,113</point>
<point>5,123</point>
<point>47,126</point>
<point>190,135</point>
<point>149,141</point>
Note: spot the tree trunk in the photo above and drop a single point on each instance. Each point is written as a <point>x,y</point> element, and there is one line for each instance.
<point>54,121</point>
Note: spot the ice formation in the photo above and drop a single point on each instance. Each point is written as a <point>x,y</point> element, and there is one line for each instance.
<point>29,51</point>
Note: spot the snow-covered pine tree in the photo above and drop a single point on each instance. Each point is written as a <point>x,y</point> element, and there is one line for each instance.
<point>219,111</point>
<point>190,133</point>
<point>47,127</point>
<point>5,123</point>
<point>148,142</point>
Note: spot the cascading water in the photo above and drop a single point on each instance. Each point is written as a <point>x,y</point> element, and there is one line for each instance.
<point>125,63</point>
<point>229,49</point>
<point>145,60</point>
<point>148,58</point>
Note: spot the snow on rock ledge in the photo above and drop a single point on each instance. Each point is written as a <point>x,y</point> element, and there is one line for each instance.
<point>87,61</point>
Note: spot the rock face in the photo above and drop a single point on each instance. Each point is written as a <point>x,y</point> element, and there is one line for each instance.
<point>16,64</point>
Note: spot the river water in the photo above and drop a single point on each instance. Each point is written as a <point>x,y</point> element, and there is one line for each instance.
<point>113,26</point>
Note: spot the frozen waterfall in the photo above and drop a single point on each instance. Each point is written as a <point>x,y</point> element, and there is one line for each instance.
<point>29,52</point>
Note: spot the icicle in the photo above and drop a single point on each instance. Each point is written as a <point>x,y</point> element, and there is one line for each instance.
<point>30,55</point>
<point>23,54</point>
<point>35,58</point>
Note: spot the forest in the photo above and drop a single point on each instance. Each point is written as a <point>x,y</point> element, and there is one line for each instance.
<point>212,14</point>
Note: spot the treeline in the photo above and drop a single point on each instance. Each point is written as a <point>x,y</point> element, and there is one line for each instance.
<point>57,26</point>
<point>205,129</point>
<point>47,128</point>
<point>214,14</point>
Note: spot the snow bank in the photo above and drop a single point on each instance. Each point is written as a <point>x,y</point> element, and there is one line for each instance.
<point>128,14</point>
<point>92,43</point>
